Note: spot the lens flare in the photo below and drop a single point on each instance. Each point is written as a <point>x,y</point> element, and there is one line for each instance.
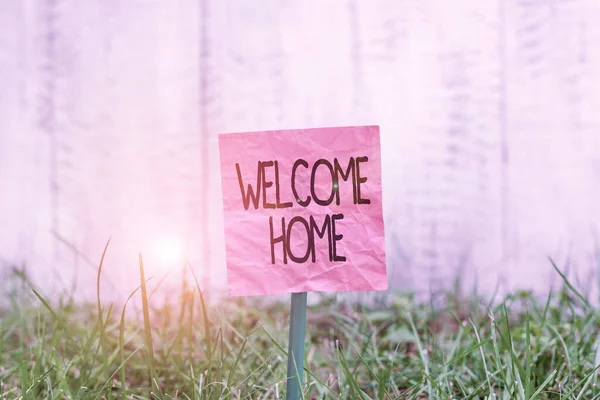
<point>169,250</point>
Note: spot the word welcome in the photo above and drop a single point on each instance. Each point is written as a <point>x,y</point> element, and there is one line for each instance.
<point>310,229</point>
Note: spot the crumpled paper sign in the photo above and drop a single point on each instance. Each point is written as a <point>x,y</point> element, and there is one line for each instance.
<point>321,231</point>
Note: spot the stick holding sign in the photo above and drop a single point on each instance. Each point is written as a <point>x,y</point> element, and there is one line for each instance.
<point>303,213</point>
<point>295,365</point>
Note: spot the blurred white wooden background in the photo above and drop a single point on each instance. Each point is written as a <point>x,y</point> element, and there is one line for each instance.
<point>489,111</point>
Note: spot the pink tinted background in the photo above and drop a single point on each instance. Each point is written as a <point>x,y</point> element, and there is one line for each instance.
<point>247,232</point>
<point>488,113</point>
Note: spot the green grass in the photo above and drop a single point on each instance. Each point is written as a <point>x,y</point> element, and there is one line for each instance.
<point>521,348</point>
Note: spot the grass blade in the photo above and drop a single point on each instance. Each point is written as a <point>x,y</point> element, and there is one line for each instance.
<point>544,384</point>
<point>570,286</point>
<point>122,341</point>
<point>147,325</point>
<point>205,315</point>
<point>100,318</point>
<point>46,304</point>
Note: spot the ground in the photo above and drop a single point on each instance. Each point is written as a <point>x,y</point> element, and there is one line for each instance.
<point>519,348</point>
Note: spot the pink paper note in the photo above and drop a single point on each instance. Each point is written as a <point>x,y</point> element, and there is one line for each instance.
<point>303,211</point>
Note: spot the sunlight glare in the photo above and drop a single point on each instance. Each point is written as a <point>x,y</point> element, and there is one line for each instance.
<point>169,250</point>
